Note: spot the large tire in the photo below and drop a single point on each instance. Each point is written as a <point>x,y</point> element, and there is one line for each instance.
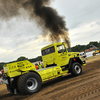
<point>29,83</point>
<point>76,69</point>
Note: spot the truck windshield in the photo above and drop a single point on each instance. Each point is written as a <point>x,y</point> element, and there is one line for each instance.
<point>48,51</point>
<point>61,48</point>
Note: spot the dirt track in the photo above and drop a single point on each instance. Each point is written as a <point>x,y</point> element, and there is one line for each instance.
<point>83,87</point>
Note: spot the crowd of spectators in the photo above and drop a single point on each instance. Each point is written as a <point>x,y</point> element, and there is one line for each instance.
<point>39,65</point>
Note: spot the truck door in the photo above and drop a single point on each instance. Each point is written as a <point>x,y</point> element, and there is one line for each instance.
<point>62,55</point>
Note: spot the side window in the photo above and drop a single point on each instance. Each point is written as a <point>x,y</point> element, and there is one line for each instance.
<point>61,48</point>
<point>48,51</point>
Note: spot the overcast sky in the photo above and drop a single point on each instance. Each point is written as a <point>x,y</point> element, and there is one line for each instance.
<point>22,37</point>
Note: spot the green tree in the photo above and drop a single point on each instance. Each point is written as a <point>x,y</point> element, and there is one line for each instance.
<point>1,65</point>
<point>22,58</point>
<point>39,58</point>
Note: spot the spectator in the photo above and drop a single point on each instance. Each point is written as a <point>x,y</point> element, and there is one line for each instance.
<point>85,56</point>
<point>0,75</point>
<point>40,65</point>
<point>36,66</point>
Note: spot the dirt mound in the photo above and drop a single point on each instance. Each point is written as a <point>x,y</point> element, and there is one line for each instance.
<point>83,87</point>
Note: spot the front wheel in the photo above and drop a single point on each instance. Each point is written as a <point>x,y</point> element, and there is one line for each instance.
<point>76,69</point>
<point>29,83</point>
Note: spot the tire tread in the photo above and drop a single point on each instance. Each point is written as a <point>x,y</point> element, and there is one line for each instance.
<point>21,88</point>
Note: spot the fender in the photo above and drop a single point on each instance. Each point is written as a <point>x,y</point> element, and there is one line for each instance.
<point>76,59</point>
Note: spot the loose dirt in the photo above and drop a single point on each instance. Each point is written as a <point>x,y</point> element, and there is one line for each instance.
<point>83,87</point>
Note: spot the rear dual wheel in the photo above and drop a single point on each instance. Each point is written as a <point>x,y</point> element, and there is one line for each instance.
<point>29,83</point>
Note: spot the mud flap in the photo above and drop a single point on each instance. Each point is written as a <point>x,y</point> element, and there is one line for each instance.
<point>11,89</point>
<point>11,86</point>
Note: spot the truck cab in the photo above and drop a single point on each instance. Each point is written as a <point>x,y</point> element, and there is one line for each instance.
<point>57,54</point>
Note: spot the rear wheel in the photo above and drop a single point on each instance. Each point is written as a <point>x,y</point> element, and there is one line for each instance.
<point>29,83</point>
<point>94,54</point>
<point>76,69</point>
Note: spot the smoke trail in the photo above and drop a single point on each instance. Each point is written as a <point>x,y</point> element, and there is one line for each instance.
<point>46,17</point>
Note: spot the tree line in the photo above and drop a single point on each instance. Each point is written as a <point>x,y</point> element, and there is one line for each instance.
<point>77,48</point>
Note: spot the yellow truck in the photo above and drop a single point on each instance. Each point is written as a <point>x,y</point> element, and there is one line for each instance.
<point>22,77</point>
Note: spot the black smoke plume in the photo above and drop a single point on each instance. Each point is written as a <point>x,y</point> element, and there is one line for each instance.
<point>47,17</point>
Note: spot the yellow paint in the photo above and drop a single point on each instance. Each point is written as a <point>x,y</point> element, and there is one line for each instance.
<point>61,58</point>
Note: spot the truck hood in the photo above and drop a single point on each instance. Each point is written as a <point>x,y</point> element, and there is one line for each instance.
<point>74,54</point>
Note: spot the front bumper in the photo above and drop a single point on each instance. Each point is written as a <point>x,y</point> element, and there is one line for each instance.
<point>83,62</point>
